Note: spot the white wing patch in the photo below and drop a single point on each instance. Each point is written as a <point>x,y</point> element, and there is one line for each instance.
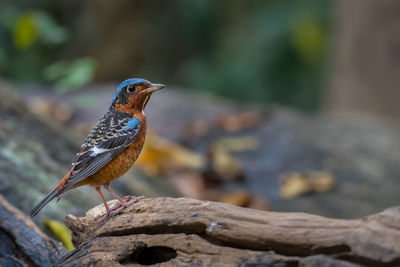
<point>95,151</point>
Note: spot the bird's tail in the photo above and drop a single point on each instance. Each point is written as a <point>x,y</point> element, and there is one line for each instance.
<point>44,202</point>
<point>58,191</point>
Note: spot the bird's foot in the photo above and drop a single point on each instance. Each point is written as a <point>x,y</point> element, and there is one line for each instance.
<point>104,218</point>
<point>126,202</point>
<point>107,215</point>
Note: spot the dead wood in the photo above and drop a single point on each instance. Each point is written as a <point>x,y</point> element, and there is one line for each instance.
<point>183,231</point>
<point>21,241</point>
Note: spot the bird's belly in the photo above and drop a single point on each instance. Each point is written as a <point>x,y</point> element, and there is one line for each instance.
<point>116,167</point>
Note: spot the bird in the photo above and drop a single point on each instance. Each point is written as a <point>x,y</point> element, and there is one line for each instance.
<point>111,147</point>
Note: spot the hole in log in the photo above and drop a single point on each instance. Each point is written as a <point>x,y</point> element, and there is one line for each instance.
<point>152,255</point>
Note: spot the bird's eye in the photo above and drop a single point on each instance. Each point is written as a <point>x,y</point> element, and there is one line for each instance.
<point>131,88</point>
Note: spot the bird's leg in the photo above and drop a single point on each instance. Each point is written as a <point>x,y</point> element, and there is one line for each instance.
<point>107,187</point>
<point>122,204</point>
<point>108,210</point>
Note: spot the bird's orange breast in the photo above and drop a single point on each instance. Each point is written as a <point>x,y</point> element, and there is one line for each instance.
<point>119,165</point>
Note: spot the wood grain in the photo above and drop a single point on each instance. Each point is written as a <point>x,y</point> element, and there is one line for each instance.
<point>21,241</point>
<point>183,231</point>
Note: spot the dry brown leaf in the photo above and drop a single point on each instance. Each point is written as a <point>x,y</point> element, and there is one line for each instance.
<point>238,144</point>
<point>189,184</point>
<point>259,203</point>
<point>198,127</point>
<point>160,155</point>
<point>61,112</point>
<point>237,122</point>
<point>239,198</point>
<point>223,166</point>
<point>297,183</point>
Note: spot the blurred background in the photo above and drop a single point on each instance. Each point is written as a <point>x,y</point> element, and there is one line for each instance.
<point>276,105</point>
<point>277,50</point>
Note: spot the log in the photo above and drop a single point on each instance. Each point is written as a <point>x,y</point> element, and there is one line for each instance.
<point>21,241</point>
<point>184,231</point>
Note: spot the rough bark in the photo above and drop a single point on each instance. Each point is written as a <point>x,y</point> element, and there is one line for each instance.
<point>21,241</point>
<point>182,231</point>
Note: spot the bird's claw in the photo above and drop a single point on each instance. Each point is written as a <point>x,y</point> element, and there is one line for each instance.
<point>105,217</point>
<point>127,201</point>
<point>120,206</point>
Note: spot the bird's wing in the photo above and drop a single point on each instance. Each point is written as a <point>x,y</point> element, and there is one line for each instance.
<point>109,137</point>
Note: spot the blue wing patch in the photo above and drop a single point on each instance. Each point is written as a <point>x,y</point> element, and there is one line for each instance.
<point>134,122</point>
<point>110,136</point>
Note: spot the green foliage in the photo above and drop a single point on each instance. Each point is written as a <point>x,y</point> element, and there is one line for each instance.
<point>271,53</point>
<point>29,50</point>
<point>72,74</point>
<point>266,51</point>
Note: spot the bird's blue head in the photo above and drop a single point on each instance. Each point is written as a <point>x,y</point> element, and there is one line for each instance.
<point>134,93</point>
<point>124,84</point>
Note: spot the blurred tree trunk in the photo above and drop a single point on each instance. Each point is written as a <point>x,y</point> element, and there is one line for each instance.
<point>366,71</point>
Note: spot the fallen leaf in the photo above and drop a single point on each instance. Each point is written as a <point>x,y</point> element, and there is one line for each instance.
<point>61,232</point>
<point>239,198</point>
<point>258,202</point>
<point>238,144</point>
<point>238,122</point>
<point>160,156</point>
<point>40,106</point>
<point>222,166</point>
<point>299,183</point>
<point>189,184</point>
<point>61,112</point>
<point>198,127</point>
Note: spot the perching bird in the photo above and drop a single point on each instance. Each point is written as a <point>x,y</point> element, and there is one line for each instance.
<point>112,146</point>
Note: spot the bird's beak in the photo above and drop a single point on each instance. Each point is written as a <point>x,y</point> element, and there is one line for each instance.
<point>153,88</point>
